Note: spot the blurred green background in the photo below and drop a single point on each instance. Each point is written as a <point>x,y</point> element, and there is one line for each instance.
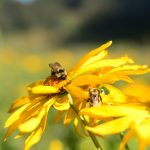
<point>34,33</point>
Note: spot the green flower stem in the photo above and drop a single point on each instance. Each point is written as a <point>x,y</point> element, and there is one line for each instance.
<point>85,123</point>
<point>121,136</point>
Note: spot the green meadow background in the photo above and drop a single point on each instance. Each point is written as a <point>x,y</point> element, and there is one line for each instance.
<point>34,33</point>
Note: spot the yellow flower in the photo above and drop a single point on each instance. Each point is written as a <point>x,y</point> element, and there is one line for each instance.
<point>139,93</point>
<point>116,114</point>
<point>29,114</point>
<point>132,116</point>
<point>56,145</point>
<point>119,117</point>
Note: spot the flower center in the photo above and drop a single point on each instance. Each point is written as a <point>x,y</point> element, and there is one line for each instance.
<point>58,77</point>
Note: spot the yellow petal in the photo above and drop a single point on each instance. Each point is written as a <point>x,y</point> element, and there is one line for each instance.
<point>79,128</point>
<point>121,73</point>
<point>87,80</point>
<point>116,77</point>
<point>142,145</point>
<point>43,89</point>
<point>130,69</point>
<point>95,58</point>
<point>113,111</point>
<point>80,103</point>
<point>69,116</point>
<point>62,105</point>
<point>139,91</point>
<point>143,131</point>
<point>111,127</point>
<point>76,91</point>
<point>58,116</point>
<point>115,95</point>
<point>27,113</point>
<point>125,139</point>
<point>33,139</point>
<point>15,116</point>
<point>103,63</point>
<point>49,102</point>
<point>19,135</point>
<point>91,54</point>
<point>36,135</point>
<point>18,103</point>
<point>32,123</point>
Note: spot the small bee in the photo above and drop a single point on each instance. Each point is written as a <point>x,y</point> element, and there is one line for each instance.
<point>57,71</point>
<point>95,98</point>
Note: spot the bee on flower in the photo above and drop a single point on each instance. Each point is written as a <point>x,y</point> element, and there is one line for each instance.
<point>69,92</point>
<point>132,116</point>
<point>95,97</point>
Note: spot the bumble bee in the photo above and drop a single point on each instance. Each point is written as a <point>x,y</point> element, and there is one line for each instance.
<point>57,71</point>
<point>94,97</point>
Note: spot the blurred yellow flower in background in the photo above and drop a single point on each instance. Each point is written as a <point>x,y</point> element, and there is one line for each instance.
<point>32,63</point>
<point>56,145</point>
